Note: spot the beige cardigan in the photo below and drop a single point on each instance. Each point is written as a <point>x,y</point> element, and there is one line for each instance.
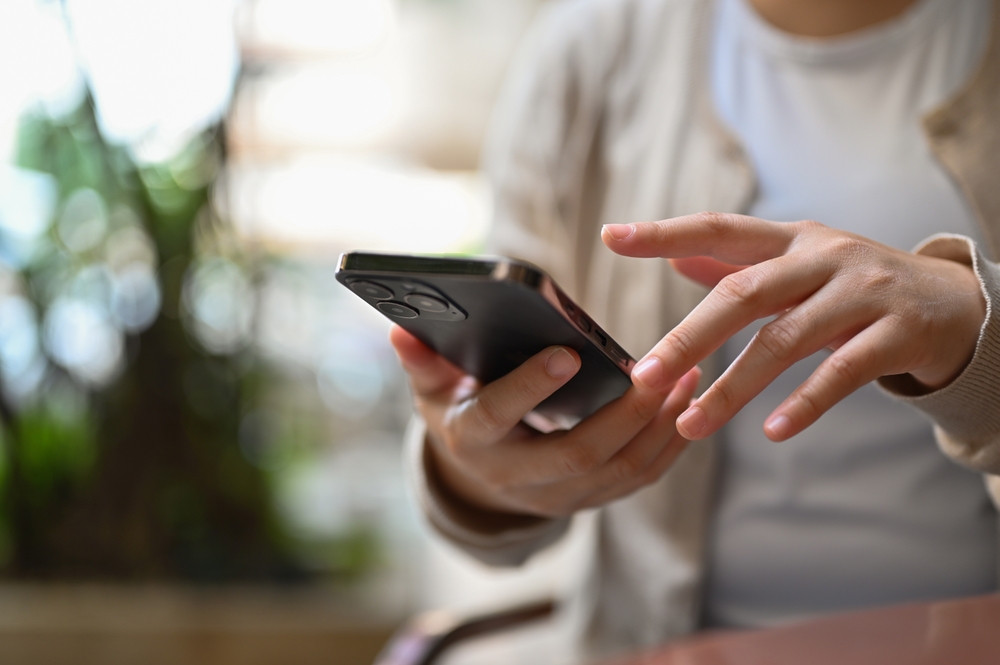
<point>608,118</point>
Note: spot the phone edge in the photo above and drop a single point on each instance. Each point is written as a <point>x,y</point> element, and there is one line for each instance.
<point>502,268</point>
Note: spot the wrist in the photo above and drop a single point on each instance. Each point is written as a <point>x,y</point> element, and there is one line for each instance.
<point>967,314</point>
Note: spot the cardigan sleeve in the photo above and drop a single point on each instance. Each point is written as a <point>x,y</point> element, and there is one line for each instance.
<point>966,412</point>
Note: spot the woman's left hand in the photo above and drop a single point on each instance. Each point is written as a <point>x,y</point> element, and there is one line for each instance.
<point>883,312</point>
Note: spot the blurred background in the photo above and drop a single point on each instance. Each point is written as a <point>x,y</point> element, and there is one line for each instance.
<point>200,430</point>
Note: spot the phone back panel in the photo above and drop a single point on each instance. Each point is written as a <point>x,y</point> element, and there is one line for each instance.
<point>501,314</point>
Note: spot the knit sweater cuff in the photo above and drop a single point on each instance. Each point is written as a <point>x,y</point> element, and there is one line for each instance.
<point>966,412</point>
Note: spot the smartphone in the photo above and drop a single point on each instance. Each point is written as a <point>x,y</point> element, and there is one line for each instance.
<point>487,315</point>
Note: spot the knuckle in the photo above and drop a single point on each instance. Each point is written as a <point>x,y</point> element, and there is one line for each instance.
<point>488,414</point>
<point>724,397</point>
<point>878,278</point>
<point>850,249</point>
<point>708,218</point>
<point>809,225</point>
<point>629,467</point>
<point>718,224</point>
<point>809,405</point>
<point>924,325</point>
<point>681,342</point>
<point>778,339</point>
<point>528,386</point>
<point>641,409</point>
<point>740,288</point>
<point>845,369</point>
<point>720,221</point>
<point>909,321</point>
<point>580,460</point>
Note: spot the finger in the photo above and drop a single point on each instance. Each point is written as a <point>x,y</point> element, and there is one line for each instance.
<point>779,344</point>
<point>430,374</point>
<point>735,239</point>
<point>668,454</point>
<point>496,408</point>
<point>561,456</point>
<point>638,463</point>
<point>738,300</point>
<point>704,269</point>
<point>639,460</point>
<point>869,355</point>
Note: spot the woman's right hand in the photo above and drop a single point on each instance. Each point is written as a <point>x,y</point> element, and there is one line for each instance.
<point>490,459</point>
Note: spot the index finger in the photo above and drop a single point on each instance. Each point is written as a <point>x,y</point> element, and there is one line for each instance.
<point>740,298</point>
<point>429,373</point>
<point>735,239</point>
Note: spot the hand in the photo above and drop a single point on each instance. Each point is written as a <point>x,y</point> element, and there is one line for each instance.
<point>490,459</point>
<point>882,311</point>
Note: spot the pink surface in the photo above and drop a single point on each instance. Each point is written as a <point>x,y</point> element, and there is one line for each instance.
<point>957,632</point>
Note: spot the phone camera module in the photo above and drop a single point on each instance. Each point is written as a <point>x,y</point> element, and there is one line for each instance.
<point>371,290</point>
<point>397,310</point>
<point>426,303</point>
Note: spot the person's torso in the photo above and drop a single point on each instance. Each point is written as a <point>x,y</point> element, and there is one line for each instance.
<point>861,509</point>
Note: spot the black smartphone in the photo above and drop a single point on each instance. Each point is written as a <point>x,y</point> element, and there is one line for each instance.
<point>487,316</point>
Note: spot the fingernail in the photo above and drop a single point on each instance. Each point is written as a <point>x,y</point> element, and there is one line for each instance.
<point>779,427</point>
<point>692,423</point>
<point>619,231</point>
<point>560,364</point>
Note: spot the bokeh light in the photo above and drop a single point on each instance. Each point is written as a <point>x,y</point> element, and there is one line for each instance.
<point>331,202</point>
<point>161,70</point>
<point>84,220</point>
<point>136,297</point>
<point>345,105</point>
<point>220,301</point>
<point>167,258</point>
<point>21,362</point>
<point>350,376</point>
<point>34,33</point>
<point>322,25</point>
<point>81,336</point>
<point>27,202</point>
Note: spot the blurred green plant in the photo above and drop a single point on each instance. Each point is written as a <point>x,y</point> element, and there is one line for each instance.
<point>126,462</point>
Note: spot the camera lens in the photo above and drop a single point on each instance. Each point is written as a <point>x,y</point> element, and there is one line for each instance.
<point>371,290</point>
<point>397,310</point>
<point>426,303</point>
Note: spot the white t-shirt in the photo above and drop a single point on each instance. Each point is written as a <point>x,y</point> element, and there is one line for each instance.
<point>861,509</point>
